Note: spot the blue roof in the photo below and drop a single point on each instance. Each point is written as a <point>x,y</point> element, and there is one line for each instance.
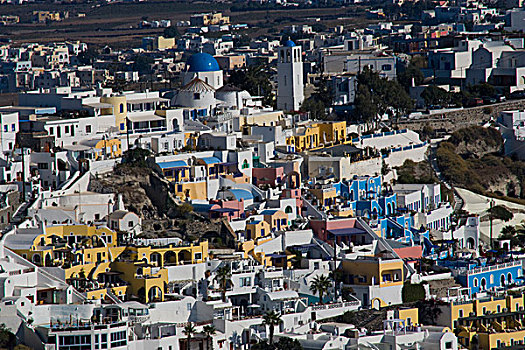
<point>253,222</point>
<point>202,207</point>
<point>346,231</point>
<point>211,160</point>
<point>242,194</point>
<point>202,62</point>
<point>269,211</point>
<point>289,43</point>
<point>172,164</point>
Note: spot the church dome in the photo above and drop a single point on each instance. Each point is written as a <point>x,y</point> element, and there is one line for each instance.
<point>202,62</point>
<point>289,43</point>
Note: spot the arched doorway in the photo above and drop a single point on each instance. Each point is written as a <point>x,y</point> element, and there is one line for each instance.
<point>470,243</point>
<point>170,258</point>
<point>156,259</point>
<point>48,260</point>
<point>502,280</point>
<point>37,260</point>
<point>509,278</point>
<point>483,284</point>
<point>154,294</point>
<point>184,256</point>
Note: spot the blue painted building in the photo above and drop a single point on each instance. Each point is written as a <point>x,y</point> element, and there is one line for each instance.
<point>479,278</point>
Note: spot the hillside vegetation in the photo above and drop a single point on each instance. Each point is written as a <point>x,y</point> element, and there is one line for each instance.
<point>472,159</point>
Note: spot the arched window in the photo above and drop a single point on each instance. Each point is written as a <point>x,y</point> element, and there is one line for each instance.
<point>288,210</point>
<point>475,282</point>
<point>245,164</point>
<point>121,108</point>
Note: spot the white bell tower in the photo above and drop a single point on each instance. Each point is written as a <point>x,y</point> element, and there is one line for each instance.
<point>290,87</point>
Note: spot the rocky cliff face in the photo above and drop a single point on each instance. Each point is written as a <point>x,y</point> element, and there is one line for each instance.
<point>148,195</point>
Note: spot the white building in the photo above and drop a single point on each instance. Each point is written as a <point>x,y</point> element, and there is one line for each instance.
<point>290,86</point>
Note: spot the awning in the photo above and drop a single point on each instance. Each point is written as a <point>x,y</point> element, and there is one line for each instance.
<point>98,105</point>
<point>144,118</point>
<point>346,231</point>
<point>225,210</point>
<point>147,100</point>
<point>173,164</point>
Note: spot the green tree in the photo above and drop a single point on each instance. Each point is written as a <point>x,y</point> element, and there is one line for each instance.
<point>412,72</point>
<point>7,338</point>
<point>88,56</point>
<point>209,330</point>
<point>171,32</point>
<point>142,64</point>
<point>412,292</point>
<point>377,96</point>
<point>256,80</point>
<point>501,213</point>
<point>320,100</point>
<point>136,157</point>
<point>320,285</point>
<point>271,319</point>
<point>429,311</point>
<point>189,330</point>
<point>222,277</point>
<point>433,95</point>
<point>481,89</point>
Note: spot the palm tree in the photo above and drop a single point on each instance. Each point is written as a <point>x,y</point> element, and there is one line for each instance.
<point>208,331</point>
<point>189,330</point>
<point>320,285</point>
<point>272,319</point>
<point>223,276</point>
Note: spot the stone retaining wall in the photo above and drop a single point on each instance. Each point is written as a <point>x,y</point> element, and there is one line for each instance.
<point>451,121</point>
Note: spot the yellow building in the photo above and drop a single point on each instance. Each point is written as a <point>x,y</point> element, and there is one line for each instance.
<point>97,266</point>
<point>409,314</point>
<point>257,229</point>
<point>450,313</point>
<point>492,329</point>
<point>332,131</point>
<point>314,135</point>
<point>102,148</point>
<point>373,271</point>
<point>277,219</point>
<point>191,190</point>
<point>119,109</point>
<point>325,195</point>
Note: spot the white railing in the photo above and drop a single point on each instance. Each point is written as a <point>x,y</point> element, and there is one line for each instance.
<point>494,267</point>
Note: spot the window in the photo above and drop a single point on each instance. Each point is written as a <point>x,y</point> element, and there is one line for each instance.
<point>197,96</point>
<point>198,256</point>
<point>121,108</point>
<point>122,126</point>
<point>88,129</point>
<point>448,345</point>
<point>51,131</point>
<point>66,129</point>
<point>43,166</point>
<point>386,67</point>
<point>13,127</point>
<point>460,313</point>
<point>118,339</point>
<point>5,128</point>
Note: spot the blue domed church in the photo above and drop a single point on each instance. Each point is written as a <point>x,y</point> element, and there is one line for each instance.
<point>204,67</point>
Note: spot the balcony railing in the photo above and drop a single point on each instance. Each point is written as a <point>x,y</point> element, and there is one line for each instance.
<point>335,305</point>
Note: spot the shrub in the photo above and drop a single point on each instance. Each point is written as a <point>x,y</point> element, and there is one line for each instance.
<point>500,212</point>
<point>412,292</point>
